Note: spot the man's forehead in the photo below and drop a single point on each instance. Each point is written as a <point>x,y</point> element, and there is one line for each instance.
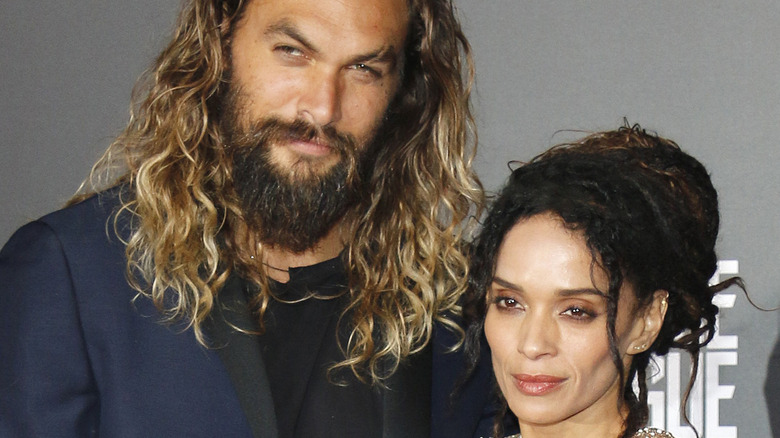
<point>377,13</point>
<point>360,27</point>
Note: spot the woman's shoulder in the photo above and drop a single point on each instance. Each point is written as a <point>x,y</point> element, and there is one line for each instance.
<point>651,432</point>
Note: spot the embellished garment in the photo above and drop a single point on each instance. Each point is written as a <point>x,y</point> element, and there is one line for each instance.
<point>646,432</point>
<point>651,432</point>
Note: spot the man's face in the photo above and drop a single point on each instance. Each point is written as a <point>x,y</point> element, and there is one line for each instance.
<point>330,63</point>
<point>310,82</point>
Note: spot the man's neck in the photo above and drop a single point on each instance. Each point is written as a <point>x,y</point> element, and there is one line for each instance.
<point>277,261</point>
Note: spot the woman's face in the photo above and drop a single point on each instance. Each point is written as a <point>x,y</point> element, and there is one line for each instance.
<point>547,327</point>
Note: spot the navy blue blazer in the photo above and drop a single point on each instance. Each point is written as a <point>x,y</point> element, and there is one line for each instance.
<point>79,357</point>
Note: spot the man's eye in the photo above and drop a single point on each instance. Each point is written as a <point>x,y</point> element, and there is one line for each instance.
<point>366,69</point>
<point>289,50</point>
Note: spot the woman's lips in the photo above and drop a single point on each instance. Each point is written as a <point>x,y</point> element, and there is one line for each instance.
<point>538,384</point>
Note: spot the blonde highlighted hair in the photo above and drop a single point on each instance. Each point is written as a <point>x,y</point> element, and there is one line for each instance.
<point>406,262</point>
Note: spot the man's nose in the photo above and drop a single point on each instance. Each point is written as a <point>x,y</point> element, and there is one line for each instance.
<point>320,102</point>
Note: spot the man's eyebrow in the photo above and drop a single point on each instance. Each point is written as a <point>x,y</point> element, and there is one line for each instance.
<point>285,27</point>
<point>386,55</point>
<point>562,292</point>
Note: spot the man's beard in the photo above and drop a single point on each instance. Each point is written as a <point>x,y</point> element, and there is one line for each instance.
<point>290,207</point>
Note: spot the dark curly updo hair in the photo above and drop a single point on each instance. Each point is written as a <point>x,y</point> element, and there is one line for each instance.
<point>649,215</point>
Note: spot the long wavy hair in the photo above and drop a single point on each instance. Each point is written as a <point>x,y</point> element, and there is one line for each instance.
<point>649,215</point>
<point>405,261</point>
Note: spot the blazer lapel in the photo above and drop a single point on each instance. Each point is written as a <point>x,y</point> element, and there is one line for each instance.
<point>242,357</point>
<point>407,399</point>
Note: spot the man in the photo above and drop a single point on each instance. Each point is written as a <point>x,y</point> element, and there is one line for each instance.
<point>279,246</point>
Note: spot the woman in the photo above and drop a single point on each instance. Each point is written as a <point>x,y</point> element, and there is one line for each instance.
<point>595,256</point>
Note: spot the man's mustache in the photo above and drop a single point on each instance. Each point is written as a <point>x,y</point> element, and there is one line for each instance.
<point>271,131</point>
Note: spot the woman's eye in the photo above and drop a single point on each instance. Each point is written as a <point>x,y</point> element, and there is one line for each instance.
<point>506,303</point>
<point>579,313</point>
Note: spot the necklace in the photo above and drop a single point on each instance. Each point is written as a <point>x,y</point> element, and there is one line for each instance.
<point>275,268</point>
<point>271,266</point>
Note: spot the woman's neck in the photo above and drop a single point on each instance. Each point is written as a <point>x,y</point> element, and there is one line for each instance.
<point>575,427</point>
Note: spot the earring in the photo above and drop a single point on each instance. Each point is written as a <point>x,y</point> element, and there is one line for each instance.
<point>640,347</point>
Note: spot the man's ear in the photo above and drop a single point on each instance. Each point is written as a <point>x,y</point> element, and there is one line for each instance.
<point>651,319</point>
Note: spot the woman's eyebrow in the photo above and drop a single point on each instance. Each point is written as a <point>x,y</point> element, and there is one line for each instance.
<point>507,284</point>
<point>581,291</point>
<point>561,292</point>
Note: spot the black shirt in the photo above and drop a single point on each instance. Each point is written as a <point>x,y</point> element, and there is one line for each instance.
<point>300,344</point>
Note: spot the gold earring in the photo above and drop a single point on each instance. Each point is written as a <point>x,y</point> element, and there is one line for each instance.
<point>639,347</point>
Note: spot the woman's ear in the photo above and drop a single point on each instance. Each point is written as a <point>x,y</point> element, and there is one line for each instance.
<point>651,319</point>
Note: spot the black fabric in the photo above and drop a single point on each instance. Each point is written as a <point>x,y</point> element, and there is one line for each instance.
<point>407,398</point>
<point>231,330</point>
<point>292,359</point>
<point>300,344</point>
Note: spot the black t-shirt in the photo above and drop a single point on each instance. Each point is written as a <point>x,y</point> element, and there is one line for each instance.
<point>299,346</point>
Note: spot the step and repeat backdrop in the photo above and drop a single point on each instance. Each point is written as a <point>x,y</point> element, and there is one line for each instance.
<point>704,73</point>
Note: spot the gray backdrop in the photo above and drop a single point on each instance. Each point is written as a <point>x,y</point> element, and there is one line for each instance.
<point>704,73</point>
